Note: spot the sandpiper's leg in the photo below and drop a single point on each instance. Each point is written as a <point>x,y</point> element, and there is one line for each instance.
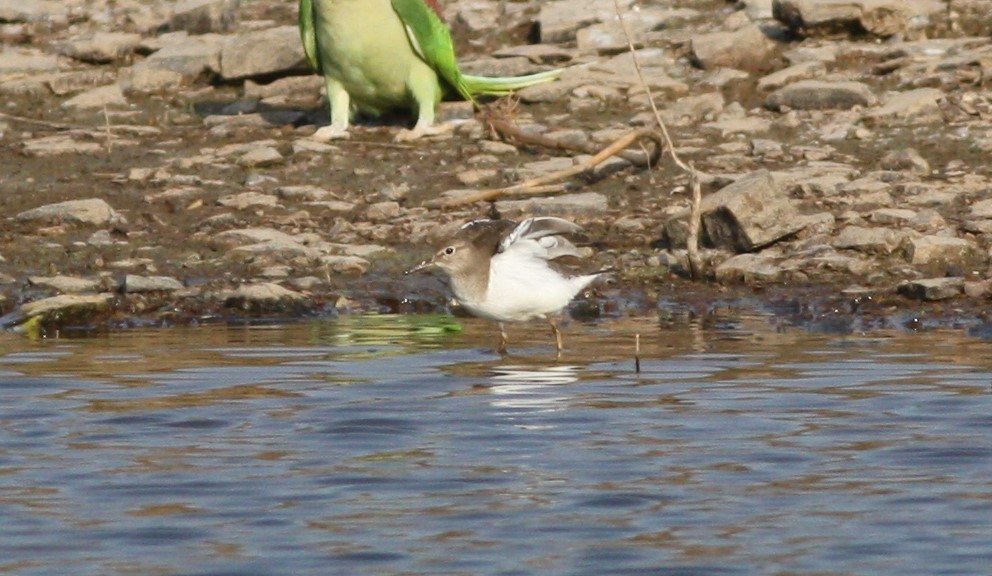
<point>502,339</point>
<point>557,333</point>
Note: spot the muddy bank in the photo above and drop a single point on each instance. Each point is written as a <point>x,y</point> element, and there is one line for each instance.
<point>157,165</point>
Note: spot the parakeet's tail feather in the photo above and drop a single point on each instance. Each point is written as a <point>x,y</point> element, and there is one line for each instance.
<point>495,86</point>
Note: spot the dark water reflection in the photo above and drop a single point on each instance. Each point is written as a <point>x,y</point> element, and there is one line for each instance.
<point>401,445</point>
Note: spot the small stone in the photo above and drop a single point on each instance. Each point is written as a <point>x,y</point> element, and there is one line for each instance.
<point>906,159</point>
<point>264,297</point>
<point>799,71</point>
<point>263,52</point>
<point>382,211</point>
<point>750,213</point>
<point>493,147</point>
<point>203,16</point>
<point>476,176</point>
<point>57,145</point>
<point>930,289</point>
<point>103,96</point>
<point>869,240</point>
<point>582,204</point>
<point>307,145</point>
<point>345,264</point>
<point>100,47</point>
<point>67,284</point>
<point>65,308</point>
<point>821,95</point>
<point>247,200</point>
<point>744,49</point>
<point>91,211</point>
<point>940,250</point>
<point>134,283</point>
<point>897,216</point>
<point>260,157</point>
<point>982,209</point>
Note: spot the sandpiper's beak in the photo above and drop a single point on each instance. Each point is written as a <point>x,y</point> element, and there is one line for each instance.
<point>425,264</point>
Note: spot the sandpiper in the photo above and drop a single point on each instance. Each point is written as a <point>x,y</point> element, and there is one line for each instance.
<point>504,271</point>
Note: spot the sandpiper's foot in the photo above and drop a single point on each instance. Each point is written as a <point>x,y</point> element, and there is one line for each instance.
<point>420,131</point>
<point>558,342</point>
<point>501,349</point>
<point>331,132</point>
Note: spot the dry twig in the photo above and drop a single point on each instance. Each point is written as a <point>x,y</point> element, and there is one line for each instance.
<point>692,244</point>
<point>553,182</point>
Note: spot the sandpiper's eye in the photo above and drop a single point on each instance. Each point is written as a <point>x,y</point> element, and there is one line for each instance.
<point>449,250</point>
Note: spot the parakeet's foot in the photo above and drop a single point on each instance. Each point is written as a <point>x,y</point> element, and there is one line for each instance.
<point>331,132</point>
<point>422,131</point>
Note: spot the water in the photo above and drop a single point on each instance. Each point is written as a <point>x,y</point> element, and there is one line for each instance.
<point>400,445</point>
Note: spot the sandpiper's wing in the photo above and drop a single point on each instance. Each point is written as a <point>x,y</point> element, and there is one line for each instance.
<point>544,237</point>
<point>486,234</point>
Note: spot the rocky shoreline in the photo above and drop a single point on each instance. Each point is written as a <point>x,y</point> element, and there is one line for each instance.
<point>157,167</point>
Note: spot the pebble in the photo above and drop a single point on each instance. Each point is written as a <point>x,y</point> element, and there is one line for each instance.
<point>92,211</point>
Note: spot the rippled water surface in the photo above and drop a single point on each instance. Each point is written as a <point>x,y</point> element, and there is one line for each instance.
<point>403,445</point>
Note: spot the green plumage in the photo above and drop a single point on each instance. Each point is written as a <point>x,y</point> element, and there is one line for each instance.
<point>378,55</point>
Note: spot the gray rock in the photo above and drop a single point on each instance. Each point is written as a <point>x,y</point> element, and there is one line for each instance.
<point>582,204</point>
<point>260,156</point>
<point>920,105</point>
<point>982,209</point>
<point>476,176</point>
<point>382,211</point>
<point>743,49</point>
<point>33,11</point>
<point>868,240</point>
<point>906,159</point>
<point>799,71</point>
<point>181,59</point>
<point>750,213</point>
<point>941,251</point>
<point>247,200</point>
<point>757,9</point>
<point>202,16</point>
<point>103,96</point>
<point>102,238</point>
<point>304,193</point>
<point>748,268</point>
<point>91,211</point>
<point>608,36</point>
<point>821,95</point>
<point>100,47</point>
<point>134,283</point>
<point>310,146</point>
<point>57,145</point>
<point>262,53</point>
<point>64,304</point>
<point>67,284</point>
<point>340,264</point>
<point>26,61</point>
<point>291,86</point>
<point>747,125</point>
<point>262,293</point>
<point>693,109</point>
<point>892,216</point>
<point>932,288</point>
<point>253,235</point>
<point>259,120</point>
<point>559,20</point>
<point>879,17</point>
<point>544,167</point>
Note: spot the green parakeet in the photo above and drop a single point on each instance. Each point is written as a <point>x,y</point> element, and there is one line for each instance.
<point>377,55</point>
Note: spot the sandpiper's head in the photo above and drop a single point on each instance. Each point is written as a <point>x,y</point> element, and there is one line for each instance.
<point>469,249</point>
<point>454,257</point>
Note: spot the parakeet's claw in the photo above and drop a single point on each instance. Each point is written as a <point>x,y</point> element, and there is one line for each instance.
<point>330,132</point>
<point>420,131</point>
